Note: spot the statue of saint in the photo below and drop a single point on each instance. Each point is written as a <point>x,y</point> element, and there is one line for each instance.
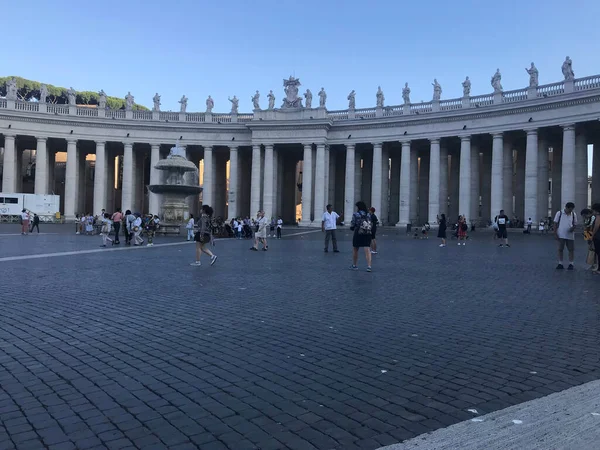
<point>437,90</point>
<point>308,97</point>
<point>43,93</point>
<point>406,94</point>
<point>496,82</point>
<point>567,69</point>
<point>71,95</point>
<point>156,101</point>
<point>466,87</point>
<point>533,76</point>
<point>210,104</point>
<point>102,99</point>
<point>255,98</point>
<point>234,104</point>
<point>380,97</point>
<point>183,103</point>
<point>128,101</point>
<point>271,98</point>
<point>322,98</point>
<point>352,100</point>
<point>11,89</point>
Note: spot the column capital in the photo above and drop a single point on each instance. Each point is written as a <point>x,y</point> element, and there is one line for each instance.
<point>434,141</point>
<point>100,143</point>
<point>377,144</point>
<point>128,144</point>
<point>269,145</point>
<point>307,145</point>
<point>405,143</point>
<point>9,135</point>
<point>350,144</point>
<point>497,135</point>
<point>568,127</point>
<point>255,146</point>
<point>531,131</point>
<point>154,146</point>
<point>41,138</point>
<point>465,138</point>
<point>71,141</point>
<point>233,148</point>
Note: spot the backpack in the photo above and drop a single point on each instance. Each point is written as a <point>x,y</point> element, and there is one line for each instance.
<point>366,225</point>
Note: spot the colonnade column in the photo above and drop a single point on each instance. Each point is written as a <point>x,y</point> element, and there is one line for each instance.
<point>127,188</point>
<point>9,175</point>
<point>100,178</point>
<point>41,167</point>
<point>475,184</point>
<point>208,195</point>
<point>268,180</point>
<point>306,185</point>
<point>154,199</point>
<point>434,181</point>
<point>405,184</point>
<point>320,181</point>
<point>232,208</point>
<point>568,165</point>
<point>543,179</point>
<point>531,176</point>
<point>497,195</point>
<point>254,181</point>
<point>349,185</point>
<point>71,180</point>
<point>596,171</point>
<point>376,189</point>
<point>464,189</point>
<point>507,170</point>
<point>443,202</point>
<point>581,171</point>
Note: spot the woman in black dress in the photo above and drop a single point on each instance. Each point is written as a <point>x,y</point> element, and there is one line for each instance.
<point>362,225</point>
<point>442,230</point>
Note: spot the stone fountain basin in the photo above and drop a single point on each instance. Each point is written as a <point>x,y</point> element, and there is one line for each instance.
<point>182,189</point>
<point>176,163</point>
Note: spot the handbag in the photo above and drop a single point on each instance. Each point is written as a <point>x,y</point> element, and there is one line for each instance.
<point>591,257</point>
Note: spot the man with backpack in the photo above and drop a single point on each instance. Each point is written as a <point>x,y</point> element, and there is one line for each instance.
<point>564,229</point>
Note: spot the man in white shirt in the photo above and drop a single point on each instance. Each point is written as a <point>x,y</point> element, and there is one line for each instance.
<point>564,229</point>
<point>328,226</point>
<point>279,227</point>
<point>190,228</point>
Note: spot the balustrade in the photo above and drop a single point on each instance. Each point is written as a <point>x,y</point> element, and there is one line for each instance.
<point>338,115</point>
<point>420,108</point>
<point>548,90</point>
<point>142,115</point>
<point>393,110</point>
<point>2,103</point>
<point>223,118</point>
<point>449,105</point>
<point>171,116</point>
<point>482,100</point>
<point>194,117</point>
<point>89,112</point>
<point>115,113</point>
<point>245,117</point>
<point>582,84</point>
<point>57,109</point>
<point>27,106</point>
<point>514,96</point>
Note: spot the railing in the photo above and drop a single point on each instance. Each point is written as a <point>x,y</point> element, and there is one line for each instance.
<point>449,105</point>
<point>393,110</point>
<point>27,106</point>
<point>57,109</point>
<point>171,116</point>
<point>115,113</point>
<point>549,90</point>
<point>365,113</point>
<point>514,96</point>
<point>482,100</point>
<point>89,112</point>
<point>2,103</point>
<point>419,108</point>
<point>245,117</point>
<point>194,117</point>
<point>338,115</point>
<point>142,115</point>
<point>221,118</point>
<point>583,84</point>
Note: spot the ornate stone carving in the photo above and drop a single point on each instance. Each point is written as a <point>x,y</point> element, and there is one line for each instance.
<point>291,99</point>
<point>437,90</point>
<point>466,87</point>
<point>567,69</point>
<point>352,100</point>
<point>71,96</point>
<point>156,101</point>
<point>11,89</point>
<point>183,103</point>
<point>308,98</point>
<point>235,104</point>
<point>43,93</point>
<point>271,98</point>
<point>128,101</point>
<point>255,101</point>
<point>533,76</point>
<point>102,99</point>
<point>496,82</point>
<point>406,94</point>
<point>380,97</point>
<point>322,98</point>
<point>210,104</point>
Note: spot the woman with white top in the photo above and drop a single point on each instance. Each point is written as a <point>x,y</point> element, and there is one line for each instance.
<point>24,222</point>
<point>105,230</point>
<point>190,228</point>
<point>137,230</point>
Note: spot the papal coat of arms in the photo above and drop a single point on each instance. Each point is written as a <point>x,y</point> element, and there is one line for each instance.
<point>291,99</point>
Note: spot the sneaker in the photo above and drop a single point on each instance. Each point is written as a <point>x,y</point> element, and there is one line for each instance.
<point>254,249</point>
<point>265,249</point>
<point>103,246</point>
<point>336,251</point>
<point>570,267</point>
<point>197,263</point>
<point>149,245</point>
<point>213,259</point>
<point>501,245</point>
<point>560,267</point>
<point>508,245</point>
<point>369,269</point>
<point>373,252</point>
<point>353,267</point>
<point>459,243</point>
<point>442,245</point>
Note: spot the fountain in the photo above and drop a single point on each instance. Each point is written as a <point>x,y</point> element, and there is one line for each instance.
<point>174,190</point>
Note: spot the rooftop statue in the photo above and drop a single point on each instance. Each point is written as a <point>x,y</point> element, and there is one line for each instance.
<point>235,103</point>
<point>308,98</point>
<point>567,69</point>
<point>128,101</point>
<point>71,95</point>
<point>290,87</point>
<point>183,103</point>
<point>210,104</point>
<point>466,87</point>
<point>533,75</point>
<point>102,99</point>
<point>322,98</point>
<point>43,93</point>
<point>496,82</point>
<point>406,94</point>
<point>156,101</point>
<point>437,90</point>
<point>271,98</point>
<point>255,98</point>
<point>380,97</point>
<point>352,100</point>
<point>11,89</point>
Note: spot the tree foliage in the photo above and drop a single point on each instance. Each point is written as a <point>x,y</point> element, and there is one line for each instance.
<point>28,89</point>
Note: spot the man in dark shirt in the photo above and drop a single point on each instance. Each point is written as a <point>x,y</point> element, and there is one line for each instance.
<point>35,223</point>
<point>502,222</point>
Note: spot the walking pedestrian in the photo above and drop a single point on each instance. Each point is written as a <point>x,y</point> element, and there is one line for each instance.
<point>150,229</point>
<point>105,230</point>
<point>565,223</point>
<point>443,225</point>
<point>501,220</point>
<point>136,228</point>
<point>203,236</point>
<point>129,219</point>
<point>529,225</point>
<point>24,222</point>
<point>362,226</point>
<point>279,227</point>
<point>260,234</point>
<point>596,235</point>
<point>462,230</point>
<point>35,223</point>
<point>328,226</point>
<point>375,222</point>
<point>117,218</point>
<point>190,228</point>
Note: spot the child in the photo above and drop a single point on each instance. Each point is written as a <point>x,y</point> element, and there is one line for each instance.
<point>105,230</point>
<point>190,228</point>
<point>89,227</point>
<point>240,228</point>
<point>279,227</point>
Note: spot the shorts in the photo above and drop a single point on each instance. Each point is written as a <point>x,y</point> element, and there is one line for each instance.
<point>570,243</point>
<point>502,233</point>
<point>204,240</point>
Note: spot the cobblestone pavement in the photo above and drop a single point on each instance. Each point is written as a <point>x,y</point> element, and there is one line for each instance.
<point>280,349</point>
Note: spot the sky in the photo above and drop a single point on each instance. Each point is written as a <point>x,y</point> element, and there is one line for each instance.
<point>232,47</point>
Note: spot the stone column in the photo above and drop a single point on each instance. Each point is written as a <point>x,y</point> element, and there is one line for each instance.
<point>464,189</point>
<point>127,188</point>
<point>326,170</point>
<point>443,202</point>
<point>154,199</point>
<point>385,189</point>
<point>475,184</point>
<point>507,175</point>
<point>568,165</point>
<point>531,176</point>
<point>596,171</point>
<point>434,181</point>
<point>41,167</point>
<point>100,178</point>
<point>9,175</point>
<point>51,168</point>
<point>349,186</point>
<point>376,186</point>
<point>71,180</point>
<point>581,171</point>
<point>320,182</point>
<point>208,195</point>
<point>255,182</point>
<point>268,182</point>
<point>486,185</point>
<point>543,179</point>
<point>521,162</point>
<point>414,187</point>
<point>497,195</point>
<point>358,177</point>
<point>232,210</point>
<point>405,185</point>
<point>556,177</point>
<point>307,186</point>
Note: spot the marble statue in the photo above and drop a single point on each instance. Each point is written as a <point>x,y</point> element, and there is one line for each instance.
<point>177,151</point>
<point>406,94</point>
<point>210,104</point>
<point>255,98</point>
<point>437,90</point>
<point>156,100</point>
<point>496,82</point>
<point>183,103</point>
<point>308,98</point>
<point>11,89</point>
<point>290,87</point>
<point>128,101</point>
<point>567,69</point>
<point>235,103</point>
<point>380,97</point>
<point>466,87</point>
<point>71,95</point>
<point>271,98</point>
<point>43,93</point>
<point>322,98</point>
<point>102,99</point>
<point>533,75</point>
<point>352,100</point>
